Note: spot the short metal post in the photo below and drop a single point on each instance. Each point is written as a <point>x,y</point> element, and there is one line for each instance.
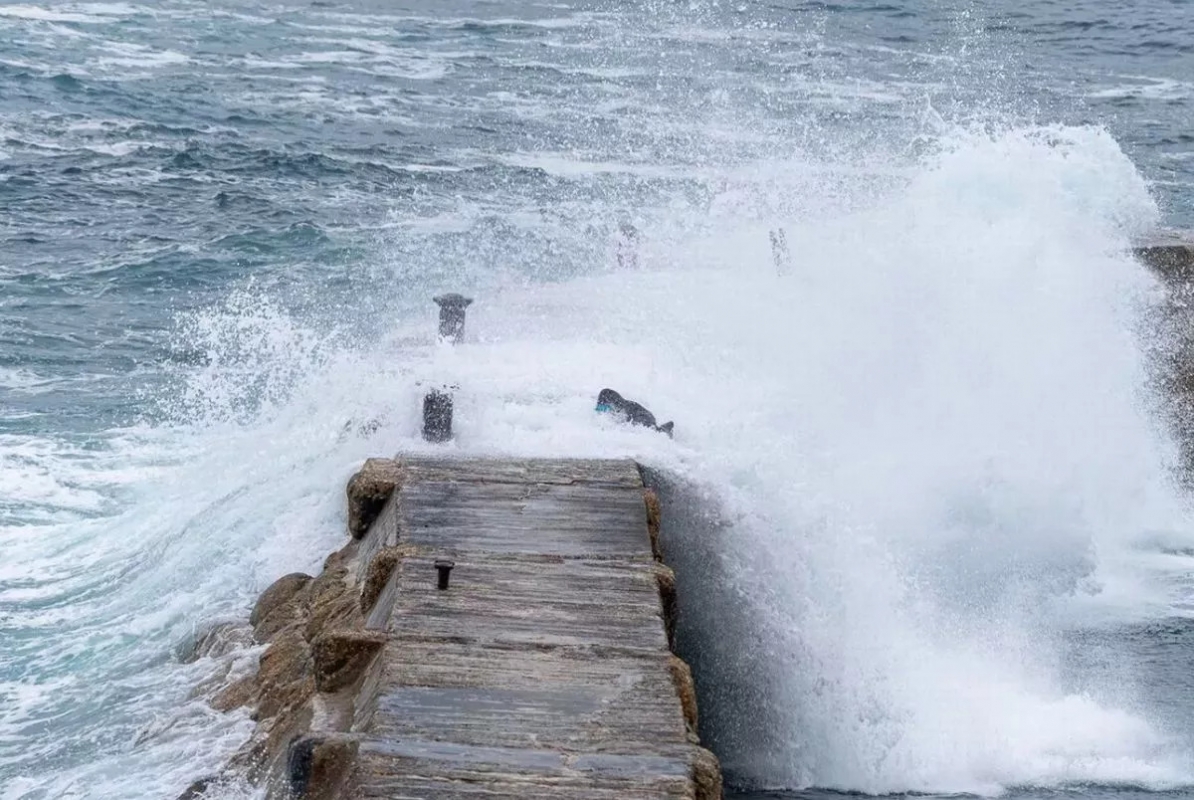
<point>451,316</point>
<point>444,568</point>
<point>437,416</point>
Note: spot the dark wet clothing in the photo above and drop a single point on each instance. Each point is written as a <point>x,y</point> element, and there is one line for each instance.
<point>611,402</point>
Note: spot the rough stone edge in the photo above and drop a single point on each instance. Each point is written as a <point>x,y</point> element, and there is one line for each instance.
<point>654,521</point>
<point>705,769</point>
<point>341,656</point>
<point>377,575</point>
<point>686,689</point>
<point>368,490</point>
<point>665,582</point>
<point>705,772</point>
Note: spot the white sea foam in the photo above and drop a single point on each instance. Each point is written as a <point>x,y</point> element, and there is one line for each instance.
<point>71,12</point>
<point>81,586</point>
<point>130,55</point>
<point>23,381</point>
<point>30,12</point>
<point>1147,88</point>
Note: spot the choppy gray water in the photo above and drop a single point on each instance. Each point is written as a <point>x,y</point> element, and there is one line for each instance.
<point>945,513</point>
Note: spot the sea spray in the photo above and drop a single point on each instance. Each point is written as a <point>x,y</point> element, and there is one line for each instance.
<point>308,176</point>
<point>931,443</point>
<point>920,446</point>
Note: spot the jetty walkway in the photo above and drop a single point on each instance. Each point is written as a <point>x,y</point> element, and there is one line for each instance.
<point>495,628</point>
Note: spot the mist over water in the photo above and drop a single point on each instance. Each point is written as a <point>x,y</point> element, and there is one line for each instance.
<point>921,505</point>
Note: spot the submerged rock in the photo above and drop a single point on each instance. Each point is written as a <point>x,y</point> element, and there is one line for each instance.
<point>276,608</point>
<point>236,694</point>
<point>213,641</point>
<point>198,789</point>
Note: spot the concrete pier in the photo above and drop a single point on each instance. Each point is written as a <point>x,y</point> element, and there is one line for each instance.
<point>542,670</point>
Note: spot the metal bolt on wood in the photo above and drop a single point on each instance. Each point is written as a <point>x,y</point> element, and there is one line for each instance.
<point>444,568</point>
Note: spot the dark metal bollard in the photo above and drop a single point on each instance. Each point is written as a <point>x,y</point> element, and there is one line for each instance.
<point>451,316</point>
<point>437,416</point>
<point>444,568</point>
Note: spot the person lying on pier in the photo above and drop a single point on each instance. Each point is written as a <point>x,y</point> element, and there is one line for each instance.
<point>610,402</point>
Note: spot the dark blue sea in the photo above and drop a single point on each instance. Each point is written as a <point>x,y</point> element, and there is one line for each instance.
<point>936,542</point>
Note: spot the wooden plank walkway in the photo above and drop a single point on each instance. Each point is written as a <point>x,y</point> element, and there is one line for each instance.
<point>544,670</point>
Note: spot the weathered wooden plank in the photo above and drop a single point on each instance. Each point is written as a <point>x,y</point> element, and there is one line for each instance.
<point>447,771</point>
<point>576,702</point>
<point>572,717</point>
<point>552,471</point>
<point>591,603</point>
<point>467,664</point>
<point>564,520</point>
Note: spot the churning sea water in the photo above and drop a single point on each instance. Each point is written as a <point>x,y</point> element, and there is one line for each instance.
<point>926,489</point>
